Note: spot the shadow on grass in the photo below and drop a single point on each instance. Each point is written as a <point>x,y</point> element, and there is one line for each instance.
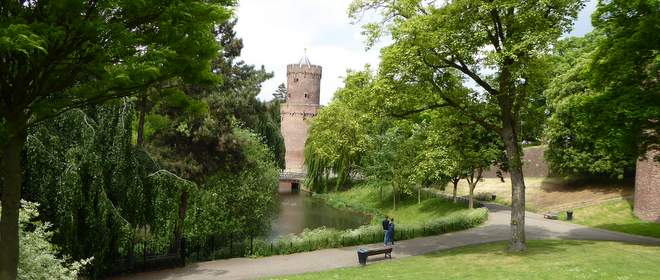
<point>500,248</point>
<point>597,185</point>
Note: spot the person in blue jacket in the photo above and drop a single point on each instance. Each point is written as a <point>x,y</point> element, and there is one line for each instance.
<point>390,233</point>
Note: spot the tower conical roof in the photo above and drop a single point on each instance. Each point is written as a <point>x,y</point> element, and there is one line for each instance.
<point>304,60</point>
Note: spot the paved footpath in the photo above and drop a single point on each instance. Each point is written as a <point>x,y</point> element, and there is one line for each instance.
<point>495,229</point>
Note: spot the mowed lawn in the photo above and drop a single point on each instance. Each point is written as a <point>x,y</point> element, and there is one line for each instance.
<point>408,211</point>
<point>548,259</point>
<point>615,215</point>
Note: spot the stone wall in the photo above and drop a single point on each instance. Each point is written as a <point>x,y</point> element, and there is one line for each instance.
<point>647,188</point>
<point>534,164</point>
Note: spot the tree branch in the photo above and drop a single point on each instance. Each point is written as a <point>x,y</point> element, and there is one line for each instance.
<point>415,111</point>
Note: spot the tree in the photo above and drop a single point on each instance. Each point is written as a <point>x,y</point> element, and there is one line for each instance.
<point>39,258</point>
<point>63,55</point>
<point>281,93</point>
<point>604,100</point>
<point>339,135</point>
<point>489,42</point>
<point>453,149</point>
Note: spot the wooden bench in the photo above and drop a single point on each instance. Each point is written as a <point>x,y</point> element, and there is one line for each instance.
<point>373,251</point>
<point>551,216</point>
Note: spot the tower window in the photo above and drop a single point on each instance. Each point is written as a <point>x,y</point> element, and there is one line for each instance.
<point>306,95</point>
<point>295,80</point>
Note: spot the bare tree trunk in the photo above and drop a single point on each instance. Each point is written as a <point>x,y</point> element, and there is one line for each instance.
<point>472,184</point>
<point>513,153</point>
<point>419,194</point>
<point>11,172</point>
<point>471,195</point>
<point>455,182</point>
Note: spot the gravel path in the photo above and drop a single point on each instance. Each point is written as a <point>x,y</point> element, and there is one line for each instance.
<point>495,229</point>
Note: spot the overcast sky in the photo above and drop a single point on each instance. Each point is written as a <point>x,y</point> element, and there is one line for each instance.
<point>276,32</point>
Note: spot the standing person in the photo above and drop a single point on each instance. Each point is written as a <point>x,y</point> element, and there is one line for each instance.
<point>386,226</point>
<point>390,232</point>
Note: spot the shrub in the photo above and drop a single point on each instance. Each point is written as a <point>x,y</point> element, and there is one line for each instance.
<point>38,257</point>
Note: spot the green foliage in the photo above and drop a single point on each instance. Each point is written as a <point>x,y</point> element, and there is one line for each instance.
<point>100,208</point>
<point>40,259</point>
<point>605,100</point>
<point>93,185</point>
<point>438,46</point>
<point>364,197</point>
<point>220,207</point>
<point>62,55</point>
<point>338,136</point>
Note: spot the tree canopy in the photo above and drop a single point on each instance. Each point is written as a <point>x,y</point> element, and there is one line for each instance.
<point>491,43</point>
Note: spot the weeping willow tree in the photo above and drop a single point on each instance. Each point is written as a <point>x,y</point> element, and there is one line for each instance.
<point>94,186</point>
<point>219,205</point>
<point>338,136</point>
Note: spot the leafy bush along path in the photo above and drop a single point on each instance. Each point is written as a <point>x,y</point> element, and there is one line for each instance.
<point>545,259</point>
<point>496,229</point>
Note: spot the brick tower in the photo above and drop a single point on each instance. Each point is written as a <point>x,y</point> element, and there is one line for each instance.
<point>647,188</point>
<point>302,103</point>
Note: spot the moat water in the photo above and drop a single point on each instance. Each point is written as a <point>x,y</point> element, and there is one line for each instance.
<point>298,211</point>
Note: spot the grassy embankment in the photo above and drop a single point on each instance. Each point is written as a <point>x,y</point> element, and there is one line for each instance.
<point>549,193</point>
<point>547,259</point>
<point>614,215</point>
<point>590,200</point>
<point>413,219</point>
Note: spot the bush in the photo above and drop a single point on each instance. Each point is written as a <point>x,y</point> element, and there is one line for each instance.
<point>483,196</point>
<point>38,257</point>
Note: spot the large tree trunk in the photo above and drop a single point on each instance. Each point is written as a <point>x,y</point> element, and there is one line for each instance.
<point>513,153</point>
<point>11,172</point>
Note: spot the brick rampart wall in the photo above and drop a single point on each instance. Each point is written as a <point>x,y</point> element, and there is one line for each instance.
<point>647,188</point>
<point>534,164</point>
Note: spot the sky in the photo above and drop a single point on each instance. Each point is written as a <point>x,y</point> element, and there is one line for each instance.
<point>277,32</point>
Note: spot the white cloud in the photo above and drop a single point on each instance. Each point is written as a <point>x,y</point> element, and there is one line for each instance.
<point>275,33</point>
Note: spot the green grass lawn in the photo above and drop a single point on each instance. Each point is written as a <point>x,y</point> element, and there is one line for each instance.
<point>408,211</point>
<point>614,215</point>
<point>548,259</point>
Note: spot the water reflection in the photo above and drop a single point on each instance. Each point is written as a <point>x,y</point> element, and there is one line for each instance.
<point>299,211</point>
